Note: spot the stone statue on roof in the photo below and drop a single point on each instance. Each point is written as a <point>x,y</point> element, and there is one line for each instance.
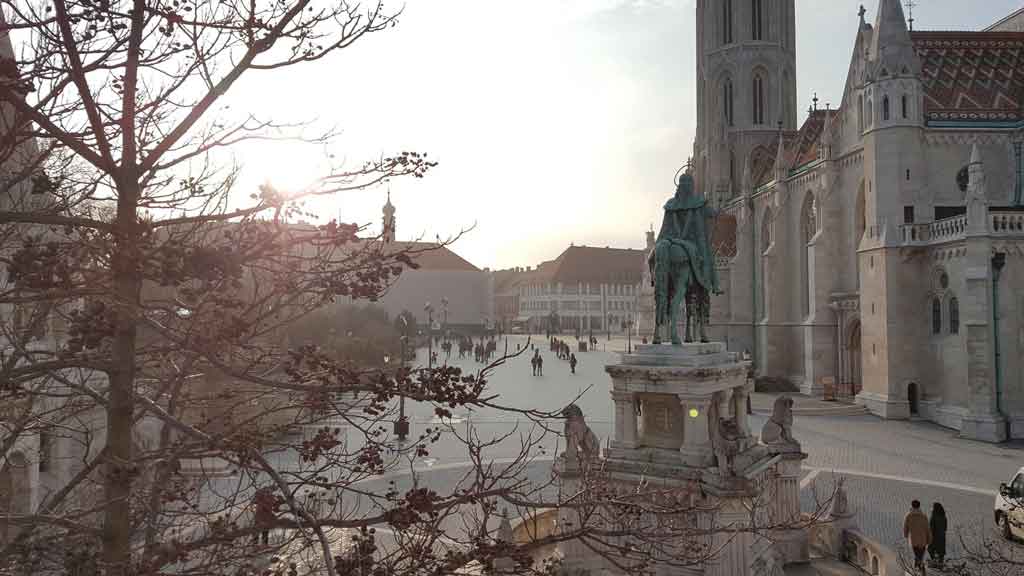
<point>682,263</point>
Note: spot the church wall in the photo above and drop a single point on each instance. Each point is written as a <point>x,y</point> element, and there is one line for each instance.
<point>947,153</point>
<point>1011,338</point>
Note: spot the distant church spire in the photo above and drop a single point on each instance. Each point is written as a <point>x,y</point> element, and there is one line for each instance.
<point>389,220</point>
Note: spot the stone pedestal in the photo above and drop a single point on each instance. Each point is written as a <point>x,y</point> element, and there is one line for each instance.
<point>681,430</point>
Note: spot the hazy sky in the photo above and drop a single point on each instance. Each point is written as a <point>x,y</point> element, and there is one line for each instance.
<point>554,121</point>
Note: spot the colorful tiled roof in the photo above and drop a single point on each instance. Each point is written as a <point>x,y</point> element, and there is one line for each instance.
<point>972,76</point>
<point>801,148</point>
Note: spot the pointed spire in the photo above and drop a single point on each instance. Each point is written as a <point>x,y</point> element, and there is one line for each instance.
<point>891,35</point>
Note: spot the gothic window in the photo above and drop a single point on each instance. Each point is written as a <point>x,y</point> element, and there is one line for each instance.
<point>758,99</point>
<point>860,113</point>
<point>733,183</point>
<point>809,223</point>
<point>936,315</point>
<point>755,19</point>
<point>870,118</point>
<point>809,218</point>
<point>727,101</point>
<point>954,316</point>
<point>903,105</point>
<point>1018,162</point>
<point>727,21</point>
<point>885,108</point>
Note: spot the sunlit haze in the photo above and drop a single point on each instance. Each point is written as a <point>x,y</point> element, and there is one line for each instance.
<point>554,121</point>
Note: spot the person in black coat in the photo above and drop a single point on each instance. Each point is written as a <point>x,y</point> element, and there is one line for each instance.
<point>937,522</point>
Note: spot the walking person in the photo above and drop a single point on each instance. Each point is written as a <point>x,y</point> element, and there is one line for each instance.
<point>533,364</point>
<point>540,365</point>
<point>937,524</point>
<point>572,363</point>
<point>918,533</point>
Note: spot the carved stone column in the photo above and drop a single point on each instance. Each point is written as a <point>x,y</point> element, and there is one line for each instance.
<point>625,419</point>
<point>739,406</point>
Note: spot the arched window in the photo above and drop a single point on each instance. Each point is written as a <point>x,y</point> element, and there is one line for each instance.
<point>726,21</point>
<point>860,113</point>
<point>727,101</point>
<point>954,315</point>
<point>755,19</point>
<point>809,218</point>
<point>734,183</point>
<point>758,99</point>
<point>809,225</point>
<point>903,105</point>
<point>936,316</point>
<point>870,118</point>
<point>885,108</point>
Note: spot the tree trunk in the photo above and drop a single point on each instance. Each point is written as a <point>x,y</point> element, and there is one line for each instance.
<point>120,469</point>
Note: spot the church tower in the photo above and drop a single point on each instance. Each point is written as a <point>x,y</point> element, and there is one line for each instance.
<point>389,221</point>
<point>746,87</point>
<point>890,106</point>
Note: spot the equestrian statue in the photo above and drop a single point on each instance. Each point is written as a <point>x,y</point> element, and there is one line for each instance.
<point>682,264</point>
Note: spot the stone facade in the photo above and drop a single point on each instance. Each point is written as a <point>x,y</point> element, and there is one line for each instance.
<point>867,240</point>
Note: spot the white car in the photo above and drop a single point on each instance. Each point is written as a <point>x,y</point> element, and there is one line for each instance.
<point>1009,507</point>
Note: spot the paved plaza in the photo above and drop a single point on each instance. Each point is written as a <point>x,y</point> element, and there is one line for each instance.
<point>886,463</point>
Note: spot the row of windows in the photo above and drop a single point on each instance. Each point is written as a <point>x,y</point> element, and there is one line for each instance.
<point>756,21</point>
<point>574,305</point>
<point>863,120</point>
<point>759,106</point>
<point>593,289</point>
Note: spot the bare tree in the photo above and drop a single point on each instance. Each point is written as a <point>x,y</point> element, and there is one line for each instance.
<point>150,406</point>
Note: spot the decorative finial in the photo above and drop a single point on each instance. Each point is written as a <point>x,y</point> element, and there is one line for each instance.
<point>815,100</point>
<point>910,13</point>
<point>861,13</point>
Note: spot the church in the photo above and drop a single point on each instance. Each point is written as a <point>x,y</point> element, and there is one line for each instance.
<point>878,250</point>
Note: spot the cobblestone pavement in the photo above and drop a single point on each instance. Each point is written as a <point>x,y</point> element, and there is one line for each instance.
<point>887,463</point>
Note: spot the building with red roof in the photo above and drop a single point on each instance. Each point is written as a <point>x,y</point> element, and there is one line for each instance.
<point>876,244</point>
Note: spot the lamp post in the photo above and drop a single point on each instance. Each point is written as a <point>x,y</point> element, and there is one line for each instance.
<point>609,326</point>
<point>430,334</point>
<point>402,425</point>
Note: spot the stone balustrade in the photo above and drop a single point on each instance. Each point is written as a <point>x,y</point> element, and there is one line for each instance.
<point>1006,223</point>
<point>839,539</point>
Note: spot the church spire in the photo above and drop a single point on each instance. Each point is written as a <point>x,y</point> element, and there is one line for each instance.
<point>389,220</point>
<point>891,47</point>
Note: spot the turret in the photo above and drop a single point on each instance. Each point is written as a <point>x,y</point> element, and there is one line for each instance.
<point>389,220</point>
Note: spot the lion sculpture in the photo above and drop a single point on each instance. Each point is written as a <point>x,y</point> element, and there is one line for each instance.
<point>580,441</point>
<point>779,428</point>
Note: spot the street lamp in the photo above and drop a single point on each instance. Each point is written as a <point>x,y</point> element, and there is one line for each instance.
<point>430,334</point>
<point>402,425</point>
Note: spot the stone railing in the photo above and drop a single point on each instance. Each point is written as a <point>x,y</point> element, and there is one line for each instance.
<point>869,555</point>
<point>945,230</point>
<point>839,539</point>
<point>1006,223</point>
